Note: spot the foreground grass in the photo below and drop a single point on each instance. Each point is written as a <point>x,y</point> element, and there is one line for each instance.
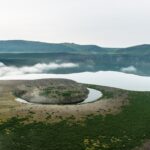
<point>122,131</point>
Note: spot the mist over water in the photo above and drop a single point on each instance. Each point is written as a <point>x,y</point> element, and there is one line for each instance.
<point>105,78</point>
<point>129,69</point>
<point>37,68</point>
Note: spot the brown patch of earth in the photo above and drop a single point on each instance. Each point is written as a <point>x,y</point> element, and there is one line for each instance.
<point>145,146</point>
<point>9,107</point>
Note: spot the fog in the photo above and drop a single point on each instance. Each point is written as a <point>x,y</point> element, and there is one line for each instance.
<point>37,68</point>
<point>129,69</point>
<point>110,23</point>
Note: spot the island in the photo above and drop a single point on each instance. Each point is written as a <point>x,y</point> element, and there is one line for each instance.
<point>50,91</point>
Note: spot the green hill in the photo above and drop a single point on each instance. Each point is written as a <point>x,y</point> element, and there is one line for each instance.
<point>20,46</point>
<point>135,50</point>
<point>89,57</point>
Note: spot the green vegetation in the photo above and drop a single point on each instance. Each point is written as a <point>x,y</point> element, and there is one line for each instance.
<point>67,93</point>
<point>107,94</point>
<point>111,93</point>
<point>19,93</point>
<point>122,131</point>
<point>53,91</point>
<point>47,91</point>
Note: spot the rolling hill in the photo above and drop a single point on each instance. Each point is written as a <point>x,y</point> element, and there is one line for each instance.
<point>21,46</point>
<point>136,50</point>
<point>89,57</point>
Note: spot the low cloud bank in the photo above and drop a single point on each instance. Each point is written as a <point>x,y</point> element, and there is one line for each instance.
<point>37,68</point>
<point>130,69</point>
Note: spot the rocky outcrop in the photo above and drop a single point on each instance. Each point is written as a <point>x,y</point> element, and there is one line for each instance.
<point>51,91</point>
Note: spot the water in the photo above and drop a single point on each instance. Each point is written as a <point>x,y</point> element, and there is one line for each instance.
<point>93,95</point>
<point>22,101</point>
<point>105,78</point>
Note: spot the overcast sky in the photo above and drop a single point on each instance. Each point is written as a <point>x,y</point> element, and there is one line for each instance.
<point>109,23</point>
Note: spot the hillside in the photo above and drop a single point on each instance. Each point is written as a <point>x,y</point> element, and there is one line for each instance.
<point>136,50</point>
<point>88,57</point>
<point>21,46</point>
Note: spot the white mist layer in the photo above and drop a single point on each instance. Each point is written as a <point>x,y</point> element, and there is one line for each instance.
<point>130,69</point>
<point>37,68</point>
<point>105,78</point>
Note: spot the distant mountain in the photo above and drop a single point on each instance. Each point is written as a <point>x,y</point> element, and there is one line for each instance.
<point>136,50</point>
<point>19,53</point>
<point>20,46</point>
<point>85,48</point>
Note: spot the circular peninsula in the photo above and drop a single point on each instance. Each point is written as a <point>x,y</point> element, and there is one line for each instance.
<point>51,91</point>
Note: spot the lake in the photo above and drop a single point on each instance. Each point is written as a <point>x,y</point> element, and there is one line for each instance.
<point>104,78</point>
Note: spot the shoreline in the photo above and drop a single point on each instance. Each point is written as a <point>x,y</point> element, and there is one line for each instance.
<point>101,78</point>
<point>93,96</point>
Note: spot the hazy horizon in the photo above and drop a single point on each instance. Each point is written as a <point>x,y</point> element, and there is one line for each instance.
<point>104,46</point>
<point>115,23</point>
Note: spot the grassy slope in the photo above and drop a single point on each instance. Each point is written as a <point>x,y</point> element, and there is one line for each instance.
<point>122,131</point>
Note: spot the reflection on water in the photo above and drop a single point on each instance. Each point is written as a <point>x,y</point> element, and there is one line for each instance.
<point>105,78</point>
<point>93,95</point>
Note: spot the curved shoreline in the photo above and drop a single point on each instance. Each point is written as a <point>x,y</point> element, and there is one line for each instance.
<point>102,78</point>
<point>93,96</point>
<point>104,105</point>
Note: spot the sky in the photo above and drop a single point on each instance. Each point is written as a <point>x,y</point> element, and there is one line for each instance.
<point>108,23</point>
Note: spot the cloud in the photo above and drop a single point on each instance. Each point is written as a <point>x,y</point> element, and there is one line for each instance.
<point>130,69</point>
<point>37,68</point>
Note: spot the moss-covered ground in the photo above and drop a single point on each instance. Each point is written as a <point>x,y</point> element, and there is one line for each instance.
<point>122,131</point>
